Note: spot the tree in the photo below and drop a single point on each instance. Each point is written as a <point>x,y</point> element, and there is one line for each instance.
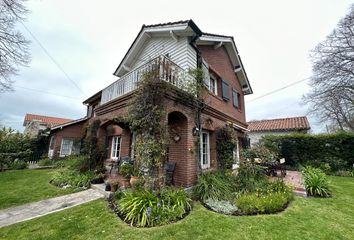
<point>331,98</point>
<point>13,45</point>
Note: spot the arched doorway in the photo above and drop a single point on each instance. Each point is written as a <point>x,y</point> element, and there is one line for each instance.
<point>178,148</point>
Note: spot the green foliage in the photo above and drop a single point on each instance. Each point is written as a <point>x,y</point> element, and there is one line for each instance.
<point>262,154</point>
<point>249,176</point>
<point>72,179</point>
<point>221,206</point>
<point>45,162</point>
<point>226,143</point>
<point>126,170</point>
<point>147,208</point>
<point>336,150</point>
<point>17,165</point>
<point>316,182</point>
<point>91,148</point>
<point>255,203</point>
<point>213,185</point>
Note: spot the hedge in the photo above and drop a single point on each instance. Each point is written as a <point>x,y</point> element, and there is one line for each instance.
<point>334,151</point>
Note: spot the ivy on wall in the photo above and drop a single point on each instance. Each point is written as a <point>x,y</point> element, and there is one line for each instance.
<point>226,143</point>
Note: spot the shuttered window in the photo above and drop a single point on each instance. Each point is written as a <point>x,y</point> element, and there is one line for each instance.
<point>235,99</point>
<point>225,90</point>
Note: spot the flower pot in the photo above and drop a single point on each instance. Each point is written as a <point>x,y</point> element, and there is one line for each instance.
<point>126,183</point>
<point>133,181</point>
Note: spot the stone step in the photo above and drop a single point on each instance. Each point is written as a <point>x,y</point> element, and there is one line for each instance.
<point>101,188</point>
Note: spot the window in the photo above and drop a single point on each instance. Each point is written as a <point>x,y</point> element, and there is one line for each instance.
<point>236,99</point>
<point>204,150</point>
<point>225,90</point>
<point>69,146</point>
<point>213,86</point>
<point>115,153</point>
<point>66,147</point>
<point>52,142</point>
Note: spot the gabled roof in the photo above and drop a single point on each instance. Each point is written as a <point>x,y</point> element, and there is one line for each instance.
<point>280,124</point>
<point>69,123</point>
<point>52,121</point>
<point>185,28</point>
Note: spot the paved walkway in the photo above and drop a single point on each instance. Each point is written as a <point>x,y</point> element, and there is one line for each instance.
<point>37,209</point>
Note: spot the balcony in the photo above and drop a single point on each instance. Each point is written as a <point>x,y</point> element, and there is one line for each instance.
<point>165,69</point>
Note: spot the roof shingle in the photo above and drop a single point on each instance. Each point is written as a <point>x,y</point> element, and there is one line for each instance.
<point>53,121</point>
<point>282,124</point>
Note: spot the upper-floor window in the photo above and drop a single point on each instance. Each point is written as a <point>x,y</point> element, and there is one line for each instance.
<point>225,90</point>
<point>236,99</point>
<point>213,86</point>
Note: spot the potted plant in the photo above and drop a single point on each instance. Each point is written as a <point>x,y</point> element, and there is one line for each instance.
<point>108,186</point>
<point>134,178</point>
<point>126,170</point>
<point>114,184</point>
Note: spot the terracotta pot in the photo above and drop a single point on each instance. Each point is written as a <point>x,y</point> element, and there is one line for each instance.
<point>114,187</point>
<point>126,183</point>
<point>134,180</point>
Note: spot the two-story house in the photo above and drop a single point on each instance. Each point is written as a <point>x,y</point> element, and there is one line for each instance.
<point>181,46</point>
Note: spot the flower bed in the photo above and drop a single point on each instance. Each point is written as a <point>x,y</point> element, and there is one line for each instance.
<point>147,208</point>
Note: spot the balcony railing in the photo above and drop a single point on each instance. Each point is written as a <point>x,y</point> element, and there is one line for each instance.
<point>162,66</point>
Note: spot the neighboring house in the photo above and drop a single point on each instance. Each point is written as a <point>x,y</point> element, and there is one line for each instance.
<point>278,126</point>
<point>179,47</point>
<point>34,123</point>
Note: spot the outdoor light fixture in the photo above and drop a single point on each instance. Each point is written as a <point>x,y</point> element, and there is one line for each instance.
<point>195,131</point>
<point>177,138</point>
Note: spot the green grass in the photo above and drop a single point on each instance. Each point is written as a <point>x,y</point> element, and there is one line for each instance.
<point>18,187</point>
<point>306,218</point>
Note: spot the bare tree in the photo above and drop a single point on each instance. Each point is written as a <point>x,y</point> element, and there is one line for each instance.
<point>13,45</point>
<point>331,98</point>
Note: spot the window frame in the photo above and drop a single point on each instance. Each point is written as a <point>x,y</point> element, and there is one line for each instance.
<point>207,152</point>
<point>116,147</point>
<point>213,88</point>
<point>236,95</point>
<point>71,142</point>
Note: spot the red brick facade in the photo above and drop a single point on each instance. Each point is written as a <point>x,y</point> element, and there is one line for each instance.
<point>180,119</point>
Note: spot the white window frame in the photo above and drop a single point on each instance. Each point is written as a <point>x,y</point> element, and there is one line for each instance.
<point>114,147</point>
<point>207,150</point>
<point>236,156</point>
<point>215,85</point>
<point>71,142</point>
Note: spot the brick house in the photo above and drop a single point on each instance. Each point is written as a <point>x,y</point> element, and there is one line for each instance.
<point>181,46</point>
<point>279,126</point>
<point>33,123</point>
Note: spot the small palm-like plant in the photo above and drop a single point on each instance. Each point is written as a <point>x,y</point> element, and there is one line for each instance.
<point>316,182</point>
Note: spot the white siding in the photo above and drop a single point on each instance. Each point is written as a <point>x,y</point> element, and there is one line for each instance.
<point>180,52</point>
<point>256,136</point>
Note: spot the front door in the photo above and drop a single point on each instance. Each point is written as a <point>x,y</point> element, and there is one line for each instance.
<point>115,148</point>
<point>205,150</point>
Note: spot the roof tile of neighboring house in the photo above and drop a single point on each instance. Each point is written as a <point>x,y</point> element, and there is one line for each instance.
<point>52,121</point>
<point>281,124</point>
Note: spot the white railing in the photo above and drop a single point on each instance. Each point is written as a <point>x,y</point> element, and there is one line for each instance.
<point>163,67</point>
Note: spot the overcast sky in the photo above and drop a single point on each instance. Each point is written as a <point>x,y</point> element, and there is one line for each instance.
<point>89,38</point>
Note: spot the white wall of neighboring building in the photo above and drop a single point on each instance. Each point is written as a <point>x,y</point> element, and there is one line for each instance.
<point>180,52</point>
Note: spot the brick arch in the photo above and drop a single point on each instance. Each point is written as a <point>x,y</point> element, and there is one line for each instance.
<point>178,126</point>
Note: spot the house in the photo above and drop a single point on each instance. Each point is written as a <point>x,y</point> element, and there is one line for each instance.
<point>179,47</point>
<point>278,126</point>
<point>34,123</point>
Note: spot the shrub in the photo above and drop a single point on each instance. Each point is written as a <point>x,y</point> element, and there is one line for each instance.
<point>249,176</point>
<point>254,203</point>
<point>343,173</point>
<point>226,143</point>
<point>147,208</point>
<point>17,165</point>
<point>45,162</point>
<point>316,182</point>
<point>70,178</point>
<point>222,206</point>
<point>213,185</point>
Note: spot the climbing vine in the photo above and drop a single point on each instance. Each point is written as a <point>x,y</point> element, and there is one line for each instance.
<point>226,143</point>
<point>91,149</point>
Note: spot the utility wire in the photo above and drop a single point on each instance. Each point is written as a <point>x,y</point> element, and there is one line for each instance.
<point>51,57</point>
<point>45,92</point>
<point>278,90</point>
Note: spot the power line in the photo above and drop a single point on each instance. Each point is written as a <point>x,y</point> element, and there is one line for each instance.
<point>51,57</point>
<point>279,89</point>
<point>49,93</point>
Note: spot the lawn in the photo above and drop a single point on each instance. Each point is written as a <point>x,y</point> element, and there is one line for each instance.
<point>18,187</point>
<point>306,218</point>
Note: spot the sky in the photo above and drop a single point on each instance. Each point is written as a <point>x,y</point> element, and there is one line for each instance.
<point>88,39</point>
